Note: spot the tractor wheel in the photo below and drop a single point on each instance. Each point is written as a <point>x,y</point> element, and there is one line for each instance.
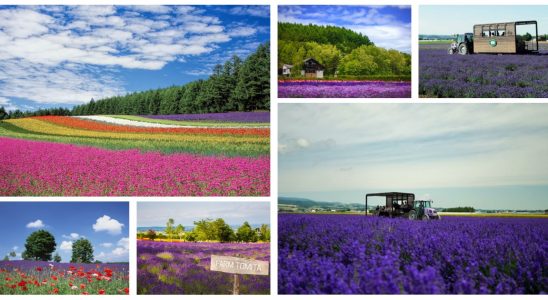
<point>412,215</point>
<point>425,217</point>
<point>450,51</point>
<point>463,49</point>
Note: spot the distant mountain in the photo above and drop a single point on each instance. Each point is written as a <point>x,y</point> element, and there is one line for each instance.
<point>303,203</point>
<point>429,37</point>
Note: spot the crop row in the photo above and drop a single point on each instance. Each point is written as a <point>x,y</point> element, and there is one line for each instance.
<point>200,123</point>
<point>183,268</point>
<point>343,254</point>
<point>166,143</point>
<point>78,123</point>
<point>43,168</point>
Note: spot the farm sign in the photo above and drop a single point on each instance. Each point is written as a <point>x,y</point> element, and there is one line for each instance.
<point>236,265</point>
<point>493,43</point>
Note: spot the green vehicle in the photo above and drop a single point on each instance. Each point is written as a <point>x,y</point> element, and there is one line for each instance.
<point>402,205</point>
<point>463,44</point>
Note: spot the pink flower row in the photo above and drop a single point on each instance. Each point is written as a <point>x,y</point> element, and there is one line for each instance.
<point>45,168</point>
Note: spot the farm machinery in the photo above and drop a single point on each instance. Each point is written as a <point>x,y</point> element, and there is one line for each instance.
<point>498,38</point>
<point>403,205</point>
<point>463,44</point>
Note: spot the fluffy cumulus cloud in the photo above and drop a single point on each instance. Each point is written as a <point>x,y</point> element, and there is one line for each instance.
<point>70,54</point>
<point>66,245</point>
<point>120,253</point>
<point>106,223</point>
<point>106,245</point>
<point>385,29</point>
<point>72,236</point>
<point>36,224</point>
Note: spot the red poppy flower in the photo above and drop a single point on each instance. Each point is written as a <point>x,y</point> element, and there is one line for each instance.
<point>126,290</point>
<point>22,283</point>
<point>38,269</point>
<point>54,277</point>
<point>82,286</point>
<point>55,291</point>
<point>101,292</point>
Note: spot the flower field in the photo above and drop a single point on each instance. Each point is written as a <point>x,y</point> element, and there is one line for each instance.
<point>351,254</point>
<point>183,268</point>
<point>43,278</point>
<point>343,89</point>
<point>482,75</point>
<point>118,156</point>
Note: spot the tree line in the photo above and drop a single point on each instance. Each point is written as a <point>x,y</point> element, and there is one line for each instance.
<point>209,230</point>
<point>341,51</point>
<point>40,246</point>
<point>460,209</point>
<point>236,85</point>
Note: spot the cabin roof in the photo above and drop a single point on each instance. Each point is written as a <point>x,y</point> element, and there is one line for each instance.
<point>389,194</point>
<point>515,23</point>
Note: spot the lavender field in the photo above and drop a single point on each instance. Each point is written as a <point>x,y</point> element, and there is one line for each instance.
<point>343,89</point>
<point>481,75</point>
<point>183,268</point>
<point>351,254</point>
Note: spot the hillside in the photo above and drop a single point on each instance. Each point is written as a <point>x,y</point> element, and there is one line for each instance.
<point>339,50</point>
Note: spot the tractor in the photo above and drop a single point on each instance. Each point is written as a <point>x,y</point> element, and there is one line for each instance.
<point>403,205</point>
<point>463,44</point>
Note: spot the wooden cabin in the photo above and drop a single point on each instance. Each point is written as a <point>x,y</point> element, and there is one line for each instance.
<point>286,70</point>
<point>312,68</point>
<point>503,38</point>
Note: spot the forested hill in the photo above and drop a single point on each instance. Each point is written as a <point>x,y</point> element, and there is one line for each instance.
<point>344,39</point>
<point>341,51</point>
<point>234,86</point>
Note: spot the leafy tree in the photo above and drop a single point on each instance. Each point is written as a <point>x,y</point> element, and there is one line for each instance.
<point>264,233</point>
<point>151,234</point>
<point>179,231</point>
<point>6,258</point>
<point>12,253</point>
<point>39,246</point>
<point>223,231</point>
<point>82,251</point>
<point>57,258</point>
<point>246,233</point>
<point>169,228</point>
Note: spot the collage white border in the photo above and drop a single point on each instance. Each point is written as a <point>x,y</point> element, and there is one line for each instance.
<point>415,5</point>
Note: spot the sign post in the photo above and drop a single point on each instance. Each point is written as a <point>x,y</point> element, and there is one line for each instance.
<point>236,265</point>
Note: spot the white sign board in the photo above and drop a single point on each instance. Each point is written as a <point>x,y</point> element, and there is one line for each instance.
<point>236,265</point>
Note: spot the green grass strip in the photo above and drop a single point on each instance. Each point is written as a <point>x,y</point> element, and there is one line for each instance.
<point>168,147</point>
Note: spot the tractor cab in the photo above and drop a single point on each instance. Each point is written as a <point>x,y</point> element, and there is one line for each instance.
<point>462,44</point>
<point>424,210</point>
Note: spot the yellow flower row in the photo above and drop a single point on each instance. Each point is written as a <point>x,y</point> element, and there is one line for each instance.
<point>42,127</point>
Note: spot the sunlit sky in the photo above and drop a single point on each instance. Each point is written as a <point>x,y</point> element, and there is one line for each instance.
<point>452,19</point>
<point>185,213</point>
<point>65,55</point>
<point>104,224</point>
<point>387,26</point>
<point>490,156</point>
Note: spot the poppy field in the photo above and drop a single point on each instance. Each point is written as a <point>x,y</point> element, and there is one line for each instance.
<point>352,254</point>
<point>125,156</point>
<point>183,268</point>
<point>343,89</point>
<point>481,75</point>
<point>50,278</point>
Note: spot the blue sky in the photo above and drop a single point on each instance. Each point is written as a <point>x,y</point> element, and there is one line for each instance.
<point>185,213</point>
<point>448,19</point>
<point>104,224</point>
<point>490,156</point>
<point>66,55</point>
<point>386,26</point>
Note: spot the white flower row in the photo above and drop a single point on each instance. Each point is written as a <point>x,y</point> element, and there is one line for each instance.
<point>128,122</point>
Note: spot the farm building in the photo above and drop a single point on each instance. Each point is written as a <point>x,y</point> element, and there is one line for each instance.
<point>503,38</point>
<point>286,70</point>
<point>312,68</point>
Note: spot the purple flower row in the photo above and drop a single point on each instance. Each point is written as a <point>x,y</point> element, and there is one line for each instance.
<point>240,117</point>
<point>342,254</point>
<point>344,89</point>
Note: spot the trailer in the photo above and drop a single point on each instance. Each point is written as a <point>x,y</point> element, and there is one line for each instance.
<point>403,205</point>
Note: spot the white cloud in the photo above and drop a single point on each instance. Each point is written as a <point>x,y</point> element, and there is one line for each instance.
<point>120,253</point>
<point>69,54</point>
<point>66,245</point>
<point>106,223</point>
<point>36,224</point>
<point>72,236</point>
<point>106,245</point>
<point>262,11</point>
